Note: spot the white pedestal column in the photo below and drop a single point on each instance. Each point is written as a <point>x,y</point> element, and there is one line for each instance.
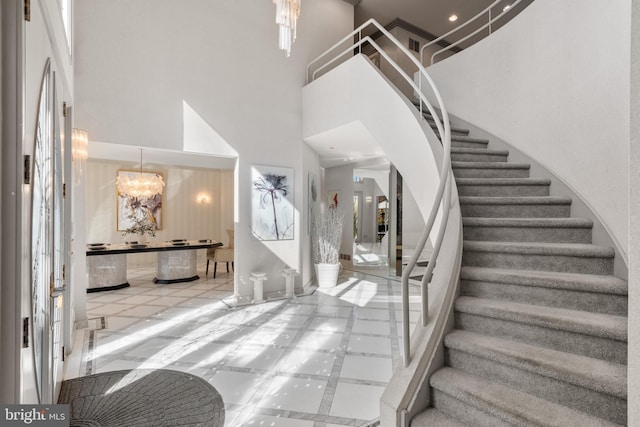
<point>258,286</point>
<point>289,277</point>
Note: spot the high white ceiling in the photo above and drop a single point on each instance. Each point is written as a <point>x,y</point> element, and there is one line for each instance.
<point>429,15</point>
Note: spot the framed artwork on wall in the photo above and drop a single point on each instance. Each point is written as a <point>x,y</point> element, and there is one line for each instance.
<point>135,211</point>
<point>312,199</point>
<point>334,199</point>
<point>272,209</point>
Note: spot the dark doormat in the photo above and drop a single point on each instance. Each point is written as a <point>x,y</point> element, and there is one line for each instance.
<point>142,397</point>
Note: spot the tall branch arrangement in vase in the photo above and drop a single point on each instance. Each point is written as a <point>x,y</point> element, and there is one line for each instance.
<point>328,235</point>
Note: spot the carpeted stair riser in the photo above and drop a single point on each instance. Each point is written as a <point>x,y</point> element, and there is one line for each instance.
<point>572,264</point>
<point>477,402</point>
<point>573,396</point>
<point>467,414</point>
<point>477,155</point>
<point>570,258</point>
<point>587,345</point>
<point>593,374</point>
<point>467,144</point>
<point>434,418</point>
<point>454,130</point>
<point>510,230</point>
<point>609,293</point>
<point>515,234</point>
<point>509,207</point>
<point>550,297</point>
<point>465,141</point>
<point>488,170</point>
<point>510,187</point>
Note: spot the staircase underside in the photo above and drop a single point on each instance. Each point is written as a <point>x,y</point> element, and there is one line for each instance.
<point>540,334</point>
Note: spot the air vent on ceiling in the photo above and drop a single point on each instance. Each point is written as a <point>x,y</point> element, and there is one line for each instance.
<point>414,45</point>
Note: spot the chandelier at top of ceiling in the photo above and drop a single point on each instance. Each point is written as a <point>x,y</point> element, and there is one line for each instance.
<point>139,185</point>
<point>287,13</point>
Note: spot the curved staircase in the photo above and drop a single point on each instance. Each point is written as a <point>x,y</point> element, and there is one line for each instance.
<point>540,334</point>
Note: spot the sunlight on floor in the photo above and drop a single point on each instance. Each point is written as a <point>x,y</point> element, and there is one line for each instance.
<point>322,358</point>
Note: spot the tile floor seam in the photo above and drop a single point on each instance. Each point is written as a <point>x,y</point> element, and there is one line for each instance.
<point>336,369</point>
<point>312,417</point>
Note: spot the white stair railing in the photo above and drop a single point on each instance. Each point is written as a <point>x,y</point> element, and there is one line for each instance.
<point>444,133</point>
<point>486,25</point>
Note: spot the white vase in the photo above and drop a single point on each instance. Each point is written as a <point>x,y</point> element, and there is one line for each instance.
<point>327,275</point>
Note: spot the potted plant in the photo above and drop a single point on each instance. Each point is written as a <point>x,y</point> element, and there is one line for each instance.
<point>143,224</point>
<point>327,238</point>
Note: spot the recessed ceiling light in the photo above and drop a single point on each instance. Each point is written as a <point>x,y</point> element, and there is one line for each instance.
<point>453,18</point>
<point>507,7</point>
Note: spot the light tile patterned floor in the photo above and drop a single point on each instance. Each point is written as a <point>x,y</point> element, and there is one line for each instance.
<point>318,360</point>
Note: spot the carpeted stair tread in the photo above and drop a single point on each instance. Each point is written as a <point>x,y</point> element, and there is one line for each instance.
<point>581,322</point>
<point>528,222</point>
<point>489,165</point>
<point>434,418</point>
<point>532,200</point>
<point>467,138</point>
<point>502,181</point>
<point>458,150</point>
<point>594,374</point>
<point>454,130</point>
<point>505,403</point>
<point>585,250</point>
<point>571,281</point>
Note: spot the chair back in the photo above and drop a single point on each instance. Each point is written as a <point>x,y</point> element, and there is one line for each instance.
<point>231,237</point>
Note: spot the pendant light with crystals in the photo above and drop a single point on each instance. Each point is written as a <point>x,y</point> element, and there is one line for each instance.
<point>287,13</point>
<point>139,185</point>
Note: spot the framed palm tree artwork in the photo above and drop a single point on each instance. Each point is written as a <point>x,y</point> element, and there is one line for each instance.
<point>272,209</point>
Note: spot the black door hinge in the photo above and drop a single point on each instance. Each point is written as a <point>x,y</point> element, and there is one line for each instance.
<point>27,169</point>
<point>64,109</point>
<point>25,332</point>
<point>27,10</point>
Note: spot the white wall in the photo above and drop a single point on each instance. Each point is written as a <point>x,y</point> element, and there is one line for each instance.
<point>412,225</point>
<point>554,83</point>
<point>140,64</point>
<point>183,216</point>
<point>634,236</point>
<point>355,92</point>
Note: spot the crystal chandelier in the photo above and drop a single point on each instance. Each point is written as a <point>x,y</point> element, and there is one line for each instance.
<point>287,13</point>
<point>139,185</point>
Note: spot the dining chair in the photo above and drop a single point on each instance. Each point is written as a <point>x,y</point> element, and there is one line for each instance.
<point>221,254</point>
